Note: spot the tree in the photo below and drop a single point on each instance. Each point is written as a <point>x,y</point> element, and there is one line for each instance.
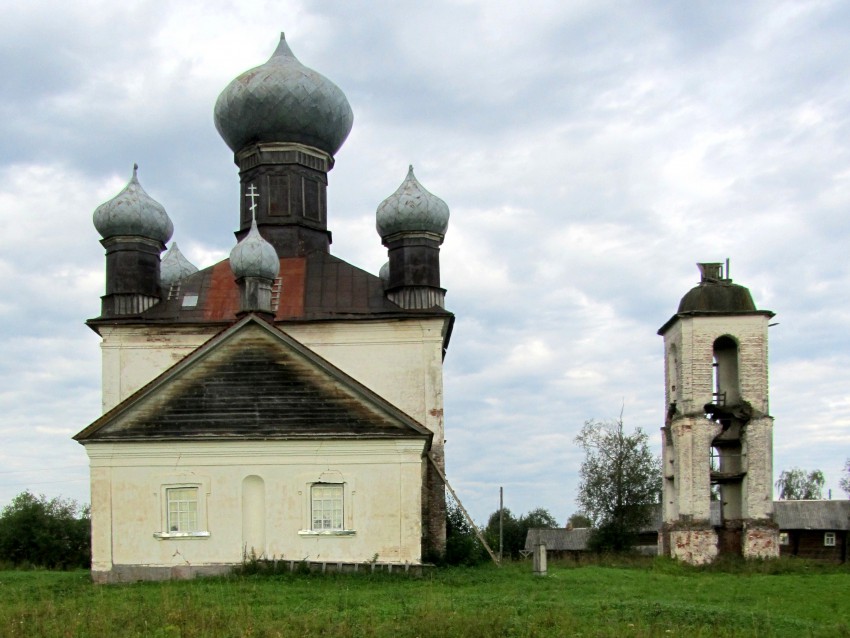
<point>514,530</point>
<point>578,520</point>
<point>620,483</point>
<point>38,532</point>
<point>797,485</point>
<point>462,544</point>
<point>844,483</point>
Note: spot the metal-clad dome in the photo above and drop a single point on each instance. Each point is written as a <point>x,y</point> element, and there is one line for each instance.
<point>133,212</point>
<point>254,256</point>
<point>283,101</point>
<point>716,292</point>
<point>717,296</point>
<point>412,208</point>
<point>384,273</point>
<point>174,266</point>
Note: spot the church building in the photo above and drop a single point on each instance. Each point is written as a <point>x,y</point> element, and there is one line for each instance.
<point>281,403</point>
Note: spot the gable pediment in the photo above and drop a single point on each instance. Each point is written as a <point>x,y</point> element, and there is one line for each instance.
<point>252,382</point>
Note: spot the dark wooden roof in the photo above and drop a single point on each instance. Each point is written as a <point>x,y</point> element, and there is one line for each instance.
<point>253,382</point>
<point>317,286</point>
<point>819,515</point>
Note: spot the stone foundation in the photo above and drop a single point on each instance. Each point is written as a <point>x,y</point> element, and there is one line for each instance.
<point>760,539</point>
<point>697,546</point>
<point>136,573</point>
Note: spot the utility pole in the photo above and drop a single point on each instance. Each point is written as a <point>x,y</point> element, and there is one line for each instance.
<point>501,532</point>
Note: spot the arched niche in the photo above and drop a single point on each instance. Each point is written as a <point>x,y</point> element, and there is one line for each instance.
<point>254,516</point>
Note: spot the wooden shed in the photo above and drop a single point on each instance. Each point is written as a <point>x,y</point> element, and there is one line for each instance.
<point>813,529</point>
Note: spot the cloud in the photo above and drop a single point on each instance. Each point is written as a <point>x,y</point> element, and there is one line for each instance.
<point>590,154</point>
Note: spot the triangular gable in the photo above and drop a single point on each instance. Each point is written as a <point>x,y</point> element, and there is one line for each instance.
<point>252,382</point>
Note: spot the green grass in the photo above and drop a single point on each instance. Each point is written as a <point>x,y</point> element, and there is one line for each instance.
<point>615,598</point>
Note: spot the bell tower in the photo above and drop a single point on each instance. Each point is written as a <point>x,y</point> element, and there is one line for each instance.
<point>718,435</point>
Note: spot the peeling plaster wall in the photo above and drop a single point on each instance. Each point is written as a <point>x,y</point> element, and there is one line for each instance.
<point>690,456</point>
<point>761,541</point>
<point>381,501</point>
<point>694,339</point>
<point>697,547</point>
<point>757,502</point>
<point>689,382</point>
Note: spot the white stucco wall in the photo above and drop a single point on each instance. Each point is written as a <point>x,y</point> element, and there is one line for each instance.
<point>382,506</point>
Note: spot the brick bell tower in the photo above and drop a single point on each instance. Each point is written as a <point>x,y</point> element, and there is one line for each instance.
<point>718,434</point>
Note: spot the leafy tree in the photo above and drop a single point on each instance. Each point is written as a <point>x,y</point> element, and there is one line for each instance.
<point>514,530</point>
<point>844,483</point>
<point>797,485</point>
<point>35,531</point>
<point>578,520</point>
<point>462,545</point>
<point>539,518</point>
<point>620,483</point>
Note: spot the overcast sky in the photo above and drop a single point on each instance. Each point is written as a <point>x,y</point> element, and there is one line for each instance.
<point>590,152</point>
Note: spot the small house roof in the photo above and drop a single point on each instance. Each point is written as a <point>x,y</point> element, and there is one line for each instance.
<point>825,515</point>
<point>558,539</point>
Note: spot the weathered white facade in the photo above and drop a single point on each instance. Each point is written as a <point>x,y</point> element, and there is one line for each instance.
<point>282,403</point>
<point>718,430</point>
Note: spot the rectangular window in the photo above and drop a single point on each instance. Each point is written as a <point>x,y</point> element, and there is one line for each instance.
<point>182,503</point>
<point>829,539</point>
<point>783,538</point>
<point>326,506</point>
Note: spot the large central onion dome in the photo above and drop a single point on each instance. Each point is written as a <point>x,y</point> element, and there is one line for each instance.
<point>283,101</point>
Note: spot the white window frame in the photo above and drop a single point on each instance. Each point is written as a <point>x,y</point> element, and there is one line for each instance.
<point>783,538</point>
<point>829,539</point>
<point>167,523</point>
<point>337,527</point>
<point>327,507</point>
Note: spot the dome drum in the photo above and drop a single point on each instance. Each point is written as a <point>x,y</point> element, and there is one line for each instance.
<point>291,182</point>
<point>413,261</point>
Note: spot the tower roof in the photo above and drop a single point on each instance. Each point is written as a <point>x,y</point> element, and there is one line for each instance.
<point>412,208</point>
<point>715,295</point>
<point>133,212</point>
<point>283,101</point>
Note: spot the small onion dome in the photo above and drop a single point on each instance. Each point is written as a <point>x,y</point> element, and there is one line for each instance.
<point>254,256</point>
<point>133,212</point>
<point>412,208</point>
<point>384,273</point>
<point>174,266</point>
<point>283,101</point>
<point>717,296</point>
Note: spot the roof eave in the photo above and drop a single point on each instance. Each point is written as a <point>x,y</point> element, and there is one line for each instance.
<point>708,313</point>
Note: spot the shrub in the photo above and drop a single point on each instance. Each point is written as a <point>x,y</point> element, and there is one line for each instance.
<point>37,532</point>
<point>462,544</point>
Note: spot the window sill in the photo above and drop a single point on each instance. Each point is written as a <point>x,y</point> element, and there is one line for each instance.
<point>180,535</point>
<point>327,532</point>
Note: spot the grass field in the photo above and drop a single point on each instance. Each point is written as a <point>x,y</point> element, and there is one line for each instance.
<point>641,598</point>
